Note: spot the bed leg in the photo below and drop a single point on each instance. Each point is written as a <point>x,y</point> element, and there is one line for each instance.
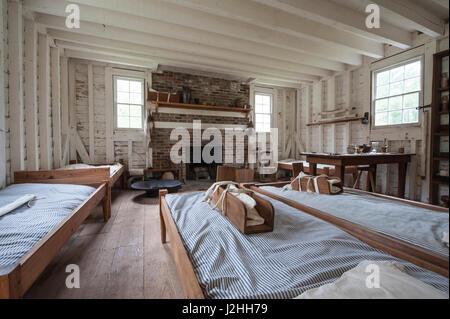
<point>123,180</point>
<point>107,204</point>
<point>162,193</point>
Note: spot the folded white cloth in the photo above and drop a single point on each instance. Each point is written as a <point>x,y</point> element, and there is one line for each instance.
<point>445,238</point>
<point>253,217</point>
<point>16,204</point>
<point>394,283</point>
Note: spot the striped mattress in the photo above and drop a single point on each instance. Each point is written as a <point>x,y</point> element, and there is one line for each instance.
<point>301,253</point>
<point>418,226</point>
<point>22,228</point>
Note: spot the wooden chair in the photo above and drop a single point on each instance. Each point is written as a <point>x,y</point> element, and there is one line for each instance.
<point>238,175</point>
<point>370,184</point>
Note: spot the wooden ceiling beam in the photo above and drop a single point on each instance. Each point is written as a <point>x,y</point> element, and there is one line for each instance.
<point>173,21</point>
<point>200,60</point>
<point>278,20</point>
<point>159,55</point>
<point>172,34</point>
<point>415,16</point>
<point>334,15</point>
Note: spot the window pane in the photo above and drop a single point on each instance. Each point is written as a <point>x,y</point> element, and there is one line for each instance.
<point>123,85</point>
<point>135,122</point>
<point>412,85</point>
<point>135,98</point>
<point>136,110</point>
<point>383,78</point>
<point>123,110</point>
<point>382,91</point>
<point>259,127</point>
<point>411,116</point>
<point>412,70</point>
<point>266,108</point>
<point>123,97</point>
<point>266,99</point>
<point>381,118</point>
<point>136,87</point>
<point>258,99</point>
<point>395,117</point>
<point>395,103</point>
<point>397,74</point>
<point>381,105</point>
<point>267,119</point>
<point>396,88</point>
<point>411,100</point>
<point>258,108</point>
<point>123,122</point>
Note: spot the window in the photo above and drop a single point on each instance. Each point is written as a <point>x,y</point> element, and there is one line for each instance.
<point>396,94</point>
<point>263,112</point>
<point>129,102</point>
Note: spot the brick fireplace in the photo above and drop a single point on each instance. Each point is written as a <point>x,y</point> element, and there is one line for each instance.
<point>206,89</point>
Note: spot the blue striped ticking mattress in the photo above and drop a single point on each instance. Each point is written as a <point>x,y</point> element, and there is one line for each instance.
<point>22,228</point>
<point>301,253</point>
<point>418,226</point>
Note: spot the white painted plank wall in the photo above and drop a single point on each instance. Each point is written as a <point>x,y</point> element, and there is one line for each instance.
<point>2,95</point>
<point>31,106</point>
<point>15,51</point>
<point>27,71</point>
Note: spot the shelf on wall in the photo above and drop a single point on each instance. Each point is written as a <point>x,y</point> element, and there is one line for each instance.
<point>440,180</point>
<point>336,121</point>
<point>201,107</point>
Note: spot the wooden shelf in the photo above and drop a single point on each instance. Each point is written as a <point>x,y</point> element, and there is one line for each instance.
<point>441,157</point>
<point>440,180</point>
<point>437,131</point>
<point>201,107</point>
<point>336,121</point>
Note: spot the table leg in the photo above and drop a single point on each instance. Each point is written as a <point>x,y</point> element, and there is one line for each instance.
<point>401,179</point>
<point>312,169</point>
<point>339,171</point>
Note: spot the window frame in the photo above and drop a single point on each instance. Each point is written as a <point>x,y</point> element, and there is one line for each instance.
<point>115,103</point>
<point>271,95</point>
<point>373,98</point>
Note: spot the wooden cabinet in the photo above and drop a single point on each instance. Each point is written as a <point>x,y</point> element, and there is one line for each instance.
<point>439,150</point>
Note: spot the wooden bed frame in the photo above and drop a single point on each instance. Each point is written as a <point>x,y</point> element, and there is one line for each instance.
<point>189,281</point>
<point>16,279</point>
<point>393,246</point>
<point>121,173</point>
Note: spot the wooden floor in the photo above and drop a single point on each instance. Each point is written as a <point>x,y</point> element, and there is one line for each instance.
<point>123,258</point>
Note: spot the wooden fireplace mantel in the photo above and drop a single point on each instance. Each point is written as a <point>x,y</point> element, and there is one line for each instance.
<point>159,104</point>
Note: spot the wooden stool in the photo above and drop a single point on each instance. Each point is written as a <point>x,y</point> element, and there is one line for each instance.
<point>370,185</point>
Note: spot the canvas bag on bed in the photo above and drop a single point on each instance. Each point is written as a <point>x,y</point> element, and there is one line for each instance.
<point>321,184</point>
<point>237,212</point>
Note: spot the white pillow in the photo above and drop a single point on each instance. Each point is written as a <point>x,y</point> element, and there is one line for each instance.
<point>394,283</point>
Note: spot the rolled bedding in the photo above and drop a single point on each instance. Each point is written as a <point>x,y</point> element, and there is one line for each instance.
<point>16,204</point>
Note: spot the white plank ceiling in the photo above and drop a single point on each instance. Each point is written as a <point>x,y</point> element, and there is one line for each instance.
<point>278,41</point>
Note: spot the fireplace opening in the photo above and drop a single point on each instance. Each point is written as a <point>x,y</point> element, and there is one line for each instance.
<point>202,170</point>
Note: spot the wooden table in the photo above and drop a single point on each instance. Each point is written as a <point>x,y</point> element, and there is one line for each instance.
<point>175,170</point>
<point>340,161</point>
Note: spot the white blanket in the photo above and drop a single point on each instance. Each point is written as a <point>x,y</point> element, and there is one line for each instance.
<point>16,204</point>
<point>361,283</point>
